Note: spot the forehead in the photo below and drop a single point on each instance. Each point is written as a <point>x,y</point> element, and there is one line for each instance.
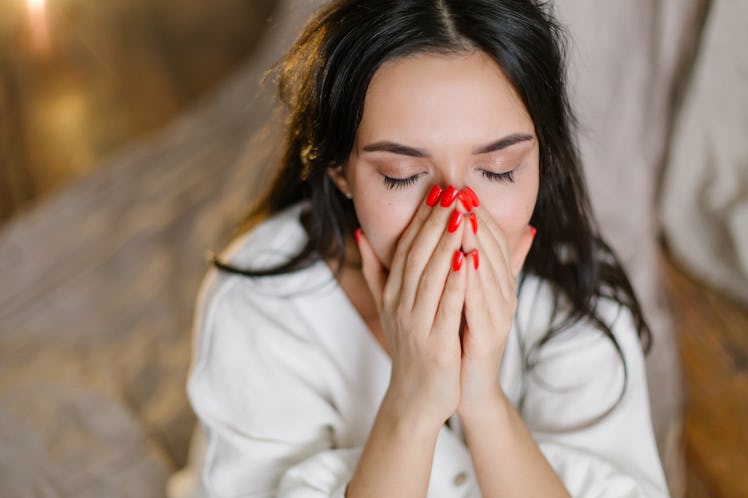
<point>433,97</point>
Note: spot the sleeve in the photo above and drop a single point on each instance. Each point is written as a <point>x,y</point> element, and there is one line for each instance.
<point>258,389</point>
<point>588,410</point>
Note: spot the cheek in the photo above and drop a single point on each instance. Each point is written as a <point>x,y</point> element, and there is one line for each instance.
<point>383,223</point>
<point>512,213</point>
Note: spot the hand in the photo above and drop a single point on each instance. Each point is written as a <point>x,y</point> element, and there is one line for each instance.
<point>490,306</point>
<point>420,304</point>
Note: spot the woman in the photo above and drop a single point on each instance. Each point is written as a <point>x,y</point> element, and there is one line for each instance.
<point>476,337</point>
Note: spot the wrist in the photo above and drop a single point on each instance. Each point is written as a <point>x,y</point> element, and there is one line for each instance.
<point>397,457</point>
<point>404,421</point>
<point>483,408</point>
<point>479,386</point>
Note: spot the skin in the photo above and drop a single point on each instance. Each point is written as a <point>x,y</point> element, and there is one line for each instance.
<point>437,119</point>
<point>416,102</point>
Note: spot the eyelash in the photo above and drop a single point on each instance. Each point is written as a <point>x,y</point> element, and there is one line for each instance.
<point>397,183</point>
<point>393,183</point>
<point>499,177</point>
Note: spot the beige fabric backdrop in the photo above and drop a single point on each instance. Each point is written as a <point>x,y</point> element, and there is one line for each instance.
<point>626,61</point>
<point>705,188</point>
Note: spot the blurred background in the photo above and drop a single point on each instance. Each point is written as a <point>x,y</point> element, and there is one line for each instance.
<point>135,134</point>
<point>79,79</point>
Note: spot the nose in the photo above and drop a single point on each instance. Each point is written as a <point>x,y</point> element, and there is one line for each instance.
<point>454,171</point>
<point>453,174</point>
<point>466,198</point>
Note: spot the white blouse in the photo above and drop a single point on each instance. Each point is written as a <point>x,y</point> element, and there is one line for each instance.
<point>286,380</point>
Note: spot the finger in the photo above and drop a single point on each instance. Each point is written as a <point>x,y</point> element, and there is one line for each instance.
<point>435,228</point>
<point>429,282</point>
<point>492,257</point>
<point>487,223</point>
<point>452,300</point>
<point>476,298</point>
<point>394,282</point>
<point>523,248</point>
<point>489,314</point>
<point>494,264</point>
<point>373,270</point>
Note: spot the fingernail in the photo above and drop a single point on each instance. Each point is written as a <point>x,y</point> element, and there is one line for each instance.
<point>449,196</point>
<point>476,259</point>
<point>474,222</point>
<point>457,260</point>
<point>533,230</point>
<point>454,221</point>
<point>358,233</point>
<point>433,198</point>
<point>473,196</point>
<point>465,200</point>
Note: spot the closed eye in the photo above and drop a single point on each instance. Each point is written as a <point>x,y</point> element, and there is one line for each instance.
<point>395,183</point>
<point>507,176</point>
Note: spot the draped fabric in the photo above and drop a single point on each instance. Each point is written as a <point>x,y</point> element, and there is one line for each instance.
<point>704,204</point>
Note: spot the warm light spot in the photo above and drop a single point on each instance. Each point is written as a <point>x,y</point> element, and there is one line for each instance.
<point>38,25</point>
<point>36,4</point>
<point>59,118</point>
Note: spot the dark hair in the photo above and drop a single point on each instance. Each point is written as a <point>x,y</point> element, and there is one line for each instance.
<point>323,80</point>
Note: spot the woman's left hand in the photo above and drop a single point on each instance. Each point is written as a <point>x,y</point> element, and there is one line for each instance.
<point>490,306</point>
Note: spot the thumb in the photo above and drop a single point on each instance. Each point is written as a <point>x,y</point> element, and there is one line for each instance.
<point>372,268</point>
<point>523,248</point>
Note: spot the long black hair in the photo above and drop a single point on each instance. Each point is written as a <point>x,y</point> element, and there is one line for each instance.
<point>323,81</point>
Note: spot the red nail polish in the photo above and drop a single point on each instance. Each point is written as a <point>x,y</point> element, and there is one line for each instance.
<point>476,259</point>
<point>465,200</point>
<point>358,233</point>
<point>533,230</point>
<point>457,260</point>
<point>474,222</point>
<point>433,198</point>
<point>454,221</point>
<point>472,195</point>
<point>449,196</point>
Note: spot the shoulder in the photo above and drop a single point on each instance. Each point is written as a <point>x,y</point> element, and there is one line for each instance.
<point>581,361</point>
<point>235,313</point>
<point>543,307</point>
<point>270,243</point>
<point>249,334</point>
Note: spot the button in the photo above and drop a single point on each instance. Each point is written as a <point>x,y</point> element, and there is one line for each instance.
<point>460,479</point>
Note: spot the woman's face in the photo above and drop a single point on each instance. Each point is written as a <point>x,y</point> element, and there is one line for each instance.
<point>444,119</point>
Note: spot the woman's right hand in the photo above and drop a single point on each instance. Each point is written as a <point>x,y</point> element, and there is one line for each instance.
<point>420,303</point>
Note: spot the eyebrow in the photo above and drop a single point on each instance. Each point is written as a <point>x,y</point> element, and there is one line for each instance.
<point>405,150</point>
<point>504,142</point>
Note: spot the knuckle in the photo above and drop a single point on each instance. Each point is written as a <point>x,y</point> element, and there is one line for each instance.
<point>402,318</point>
<point>414,257</point>
<point>389,298</point>
<point>453,282</point>
<point>399,249</point>
<point>427,280</point>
